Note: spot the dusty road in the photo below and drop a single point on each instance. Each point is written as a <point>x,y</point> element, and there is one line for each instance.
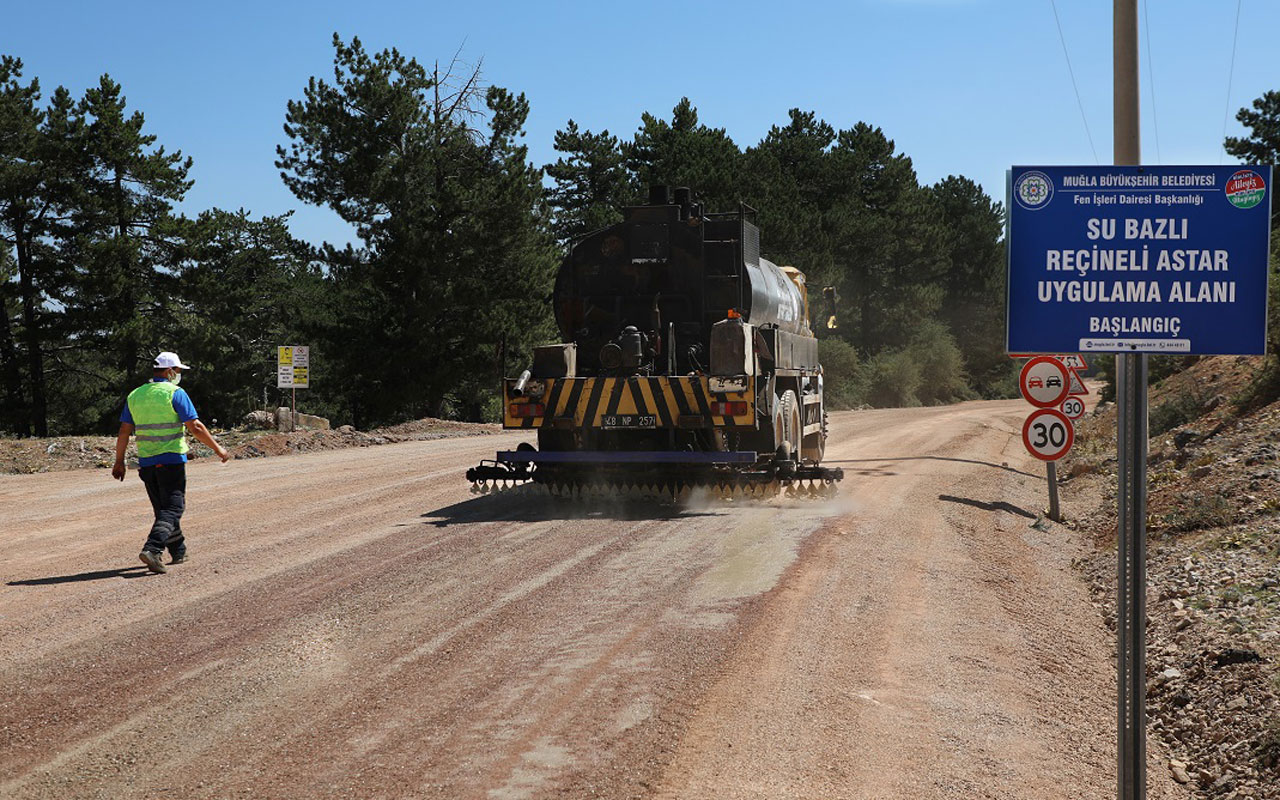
<point>355,624</point>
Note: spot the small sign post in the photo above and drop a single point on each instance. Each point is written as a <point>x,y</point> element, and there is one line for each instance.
<point>293,371</point>
<point>1045,381</point>
<point>1072,408</point>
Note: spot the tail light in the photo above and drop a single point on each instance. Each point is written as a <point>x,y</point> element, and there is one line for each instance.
<point>729,409</point>
<point>527,409</point>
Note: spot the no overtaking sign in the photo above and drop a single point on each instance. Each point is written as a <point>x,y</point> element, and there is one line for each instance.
<point>1044,382</point>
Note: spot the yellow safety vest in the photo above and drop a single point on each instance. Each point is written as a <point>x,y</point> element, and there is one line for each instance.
<point>155,423</point>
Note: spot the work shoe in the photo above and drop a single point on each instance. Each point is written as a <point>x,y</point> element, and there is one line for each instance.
<point>152,559</point>
<point>180,558</point>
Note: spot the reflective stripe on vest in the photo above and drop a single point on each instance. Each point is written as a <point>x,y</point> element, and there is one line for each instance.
<point>151,406</point>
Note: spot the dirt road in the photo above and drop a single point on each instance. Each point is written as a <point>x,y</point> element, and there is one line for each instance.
<point>354,624</point>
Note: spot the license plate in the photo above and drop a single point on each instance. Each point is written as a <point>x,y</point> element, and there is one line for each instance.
<point>628,421</point>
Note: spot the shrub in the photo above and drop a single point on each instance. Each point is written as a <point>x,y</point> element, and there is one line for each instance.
<point>842,386</point>
<point>941,365</point>
<point>1179,410</point>
<point>1003,384</point>
<point>892,380</point>
<point>1200,511</point>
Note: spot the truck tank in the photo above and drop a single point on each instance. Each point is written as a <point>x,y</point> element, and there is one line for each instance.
<point>674,270</point>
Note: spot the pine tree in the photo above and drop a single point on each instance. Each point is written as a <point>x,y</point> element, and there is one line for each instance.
<point>685,152</point>
<point>1262,145</point>
<point>13,411</point>
<point>887,243</point>
<point>34,180</point>
<point>974,278</point>
<point>123,242</point>
<point>787,177</point>
<point>456,249</point>
<point>247,286</point>
<point>591,182</point>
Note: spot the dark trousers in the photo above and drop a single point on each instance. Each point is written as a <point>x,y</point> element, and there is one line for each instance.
<point>167,488</point>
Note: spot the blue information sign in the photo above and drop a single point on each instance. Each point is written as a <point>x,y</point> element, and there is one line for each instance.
<point>1138,259</point>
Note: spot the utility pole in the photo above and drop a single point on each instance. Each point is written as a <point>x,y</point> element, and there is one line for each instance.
<point>1131,369</point>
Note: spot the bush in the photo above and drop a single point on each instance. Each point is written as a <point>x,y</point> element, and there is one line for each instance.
<point>893,380</point>
<point>1264,389</point>
<point>1158,368</point>
<point>929,370</point>
<point>1002,384</point>
<point>1179,410</point>
<point>842,387</point>
<point>1199,511</point>
<point>941,365</point>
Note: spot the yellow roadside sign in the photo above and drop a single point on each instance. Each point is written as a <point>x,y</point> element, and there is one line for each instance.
<point>293,364</point>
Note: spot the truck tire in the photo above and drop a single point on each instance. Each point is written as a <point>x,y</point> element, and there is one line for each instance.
<point>791,423</point>
<point>814,446</point>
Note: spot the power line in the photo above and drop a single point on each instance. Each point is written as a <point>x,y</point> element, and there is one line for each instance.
<point>1151,78</point>
<point>1072,73</point>
<point>1226,112</point>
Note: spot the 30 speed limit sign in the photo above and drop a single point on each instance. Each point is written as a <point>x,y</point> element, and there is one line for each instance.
<point>1072,407</point>
<point>1048,434</point>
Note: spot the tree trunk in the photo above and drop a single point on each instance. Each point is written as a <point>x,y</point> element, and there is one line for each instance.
<point>31,328</point>
<point>129,345</point>
<point>15,413</point>
<point>863,281</point>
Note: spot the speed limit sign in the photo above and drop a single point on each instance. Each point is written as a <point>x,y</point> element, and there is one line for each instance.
<point>1073,407</point>
<point>1048,434</point>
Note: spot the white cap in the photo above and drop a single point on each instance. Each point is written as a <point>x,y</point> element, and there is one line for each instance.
<point>167,360</point>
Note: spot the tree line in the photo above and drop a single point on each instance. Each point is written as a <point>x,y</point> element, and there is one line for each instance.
<point>457,239</point>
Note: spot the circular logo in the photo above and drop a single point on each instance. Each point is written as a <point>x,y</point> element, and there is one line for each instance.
<point>1033,190</point>
<point>1246,189</point>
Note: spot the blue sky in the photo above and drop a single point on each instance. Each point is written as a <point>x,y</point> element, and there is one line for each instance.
<point>963,86</point>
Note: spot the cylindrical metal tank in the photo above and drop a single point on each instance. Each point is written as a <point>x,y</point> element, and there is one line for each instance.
<point>772,298</point>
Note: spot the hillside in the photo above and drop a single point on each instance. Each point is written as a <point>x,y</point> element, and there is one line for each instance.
<point>1213,598</point>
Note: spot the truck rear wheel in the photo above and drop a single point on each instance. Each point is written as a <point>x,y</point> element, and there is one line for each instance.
<point>814,446</point>
<point>791,423</point>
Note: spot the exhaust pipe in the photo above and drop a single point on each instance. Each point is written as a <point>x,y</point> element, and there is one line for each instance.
<point>518,389</point>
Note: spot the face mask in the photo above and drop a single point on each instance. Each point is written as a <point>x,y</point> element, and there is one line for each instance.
<point>176,379</point>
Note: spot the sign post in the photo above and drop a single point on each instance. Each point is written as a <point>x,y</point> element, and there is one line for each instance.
<point>1133,260</point>
<point>1136,260</point>
<point>293,371</point>
<point>1131,441</point>
<point>1044,382</point>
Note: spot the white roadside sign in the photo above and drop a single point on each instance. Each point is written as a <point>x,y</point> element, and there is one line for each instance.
<point>1073,408</point>
<point>1048,434</point>
<point>1044,382</point>
<point>293,367</point>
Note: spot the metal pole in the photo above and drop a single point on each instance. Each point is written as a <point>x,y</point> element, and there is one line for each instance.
<point>1131,369</point>
<point>293,412</point>
<point>1131,616</point>
<point>1055,513</point>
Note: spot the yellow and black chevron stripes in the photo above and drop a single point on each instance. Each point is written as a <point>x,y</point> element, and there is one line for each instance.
<point>650,402</point>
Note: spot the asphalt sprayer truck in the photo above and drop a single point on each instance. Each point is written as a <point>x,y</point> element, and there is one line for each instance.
<point>687,361</point>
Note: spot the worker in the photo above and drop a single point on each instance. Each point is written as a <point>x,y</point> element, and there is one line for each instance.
<point>158,410</point>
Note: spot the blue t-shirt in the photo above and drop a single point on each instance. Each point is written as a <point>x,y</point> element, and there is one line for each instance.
<point>186,412</point>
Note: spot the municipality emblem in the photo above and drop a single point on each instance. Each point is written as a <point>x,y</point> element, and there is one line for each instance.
<point>1246,189</point>
<point>1033,190</point>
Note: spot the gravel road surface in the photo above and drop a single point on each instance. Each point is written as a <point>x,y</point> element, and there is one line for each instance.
<point>355,624</point>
